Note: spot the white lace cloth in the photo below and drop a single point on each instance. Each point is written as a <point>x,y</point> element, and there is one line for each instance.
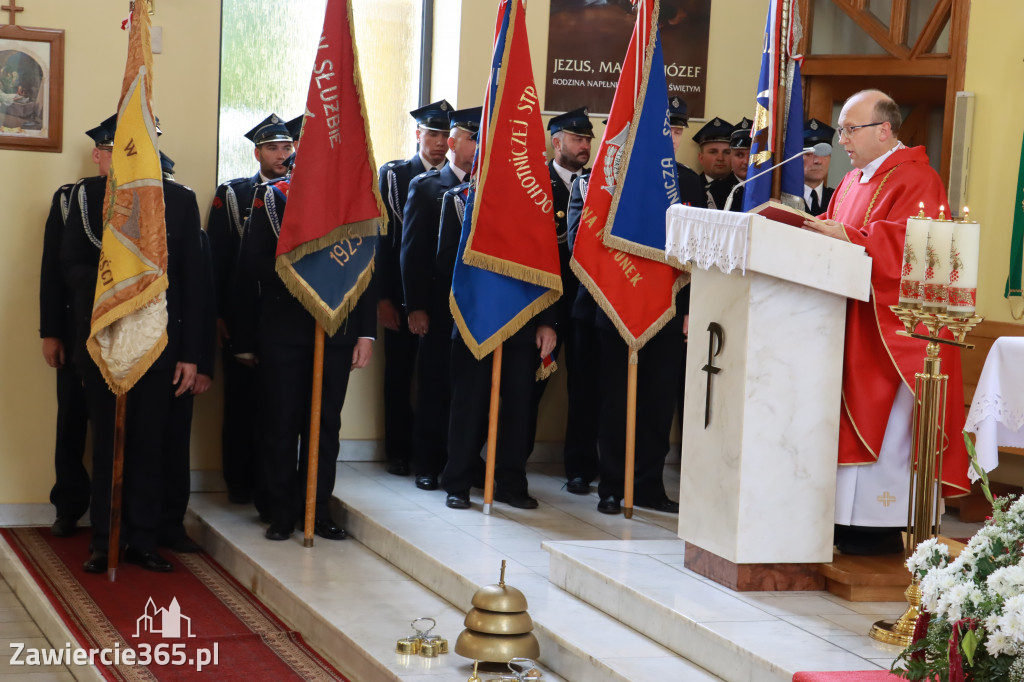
<point>707,238</point>
<point>997,412</point>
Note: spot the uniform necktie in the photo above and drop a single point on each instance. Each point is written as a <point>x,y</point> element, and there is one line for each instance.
<point>815,204</point>
<point>572,179</point>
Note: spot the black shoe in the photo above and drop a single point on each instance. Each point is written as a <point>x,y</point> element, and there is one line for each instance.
<point>326,528</point>
<point>426,482</point>
<point>97,562</point>
<point>457,501</point>
<point>869,541</point>
<point>239,498</point>
<point>398,468</point>
<point>609,505</point>
<point>151,561</point>
<point>182,545</point>
<point>279,531</point>
<point>517,500</point>
<point>662,505</point>
<point>64,527</point>
<point>577,486</point>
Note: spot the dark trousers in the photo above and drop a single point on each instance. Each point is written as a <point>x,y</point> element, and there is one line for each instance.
<point>70,492</point>
<point>399,361</point>
<point>285,378</point>
<point>657,386</point>
<point>583,360</point>
<point>467,432</point>
<point>238,434</point>
<point>144,453</point>
<point>433,397</point>
<point>175,480</point>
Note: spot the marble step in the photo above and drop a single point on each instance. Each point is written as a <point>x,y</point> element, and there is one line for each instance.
<point>349,603</point>
<point>445,550</point>
<point>762,636</point>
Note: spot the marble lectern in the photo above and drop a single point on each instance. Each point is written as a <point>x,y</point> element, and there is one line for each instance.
<point>763,383</point>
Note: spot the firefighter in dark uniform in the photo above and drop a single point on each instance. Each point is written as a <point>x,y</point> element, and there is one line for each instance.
<point>470,388</point>
<point>147,457</point>
<point>273,144</point>
<point>816,194</point>
<point>739,158</point>
<point>399,343</point>
<point>70,492</point>
<point>691,193</point>
<point>716,169</point>
<point>176,482</point>
<point>426,296</point>
<point>571,137</point>
<point>276,332</point>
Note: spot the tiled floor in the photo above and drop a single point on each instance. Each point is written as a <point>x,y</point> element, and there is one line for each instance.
<point>17,626</point>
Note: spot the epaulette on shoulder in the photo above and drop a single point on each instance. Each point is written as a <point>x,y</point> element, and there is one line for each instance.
<point>460,188</point>
<point>237,181</point>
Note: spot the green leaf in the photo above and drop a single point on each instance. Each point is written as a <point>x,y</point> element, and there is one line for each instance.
<point>977,468</point>
<point>969,644</point>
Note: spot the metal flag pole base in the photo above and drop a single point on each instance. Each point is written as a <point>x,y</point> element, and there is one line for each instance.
<point>924,509</point>
<point>487,508</point>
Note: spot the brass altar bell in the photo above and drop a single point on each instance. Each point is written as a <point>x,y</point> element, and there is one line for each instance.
<point>498,628</point>
<point>422,643</point>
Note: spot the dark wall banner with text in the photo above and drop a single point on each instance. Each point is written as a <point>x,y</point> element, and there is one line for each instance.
<point>587,41</point>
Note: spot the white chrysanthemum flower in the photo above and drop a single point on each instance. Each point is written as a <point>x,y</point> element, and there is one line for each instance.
<point>1007,581</point>
<point>997,643</point>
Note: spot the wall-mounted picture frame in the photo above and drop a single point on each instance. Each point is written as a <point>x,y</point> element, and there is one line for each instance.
<point>31,88</point>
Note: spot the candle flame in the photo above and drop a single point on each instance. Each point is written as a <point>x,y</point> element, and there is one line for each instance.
<point>967,214</point>
<point>920,213</point>
<point>942,212</point>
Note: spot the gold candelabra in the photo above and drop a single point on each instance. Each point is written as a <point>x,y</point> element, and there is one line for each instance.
<point>924,510</point>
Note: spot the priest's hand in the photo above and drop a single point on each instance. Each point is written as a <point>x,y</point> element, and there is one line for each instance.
<point>546,338</point>
<point>362,353</point>
<point>184,377</point>
<point>829,228</point>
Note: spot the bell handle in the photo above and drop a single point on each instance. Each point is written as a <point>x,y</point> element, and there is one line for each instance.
<point>423,633</point>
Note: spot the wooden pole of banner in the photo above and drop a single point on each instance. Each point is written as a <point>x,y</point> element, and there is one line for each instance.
<point>627,500</point>
<point>116,480</point>
<point>492,429</point>
<point>313,460</point>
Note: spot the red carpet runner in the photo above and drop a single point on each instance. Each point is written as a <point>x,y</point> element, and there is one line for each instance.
<point>196,622</point>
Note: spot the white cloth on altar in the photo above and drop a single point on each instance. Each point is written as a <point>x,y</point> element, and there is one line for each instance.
<point>876,494</point>
<point>707,238</point>
<point>997,411</point>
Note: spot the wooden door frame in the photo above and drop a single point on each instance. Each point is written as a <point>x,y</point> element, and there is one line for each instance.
<point>901,60</point>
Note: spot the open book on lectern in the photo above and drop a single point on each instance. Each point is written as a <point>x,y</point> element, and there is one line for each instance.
<point>774,209</point>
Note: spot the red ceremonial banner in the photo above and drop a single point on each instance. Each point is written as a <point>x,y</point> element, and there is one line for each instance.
<point>334,193</point>
<point>513,229</point>
<point>637,293</point>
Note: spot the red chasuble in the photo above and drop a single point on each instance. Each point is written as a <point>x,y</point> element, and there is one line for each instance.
<point>875,359</point>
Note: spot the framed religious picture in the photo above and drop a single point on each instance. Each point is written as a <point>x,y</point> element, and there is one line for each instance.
<point>587,42</point>
<point>31,88</point>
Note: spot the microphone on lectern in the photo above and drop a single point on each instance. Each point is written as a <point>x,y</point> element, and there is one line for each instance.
<point>820,149</point>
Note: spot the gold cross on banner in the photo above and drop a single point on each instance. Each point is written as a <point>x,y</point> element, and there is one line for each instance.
<point>886,499</point>
<point>11,9</point>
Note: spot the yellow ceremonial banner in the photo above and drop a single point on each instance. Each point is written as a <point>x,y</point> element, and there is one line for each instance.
<point>129,314</point>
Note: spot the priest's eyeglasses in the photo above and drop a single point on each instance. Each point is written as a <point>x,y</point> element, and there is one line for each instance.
<point>848,130</point>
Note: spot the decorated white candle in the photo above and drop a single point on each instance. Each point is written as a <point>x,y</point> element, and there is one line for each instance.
<point>936,274</point>
<point>914,248</point>
<point>963,274</point>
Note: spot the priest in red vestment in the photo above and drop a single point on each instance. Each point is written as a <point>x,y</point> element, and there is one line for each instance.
<point>870,207</point>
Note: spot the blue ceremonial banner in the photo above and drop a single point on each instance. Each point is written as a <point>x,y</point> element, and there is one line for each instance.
<point>507,267</point>
<point>779,101</point>
<point>488,307</point>
<point>646,183</point>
